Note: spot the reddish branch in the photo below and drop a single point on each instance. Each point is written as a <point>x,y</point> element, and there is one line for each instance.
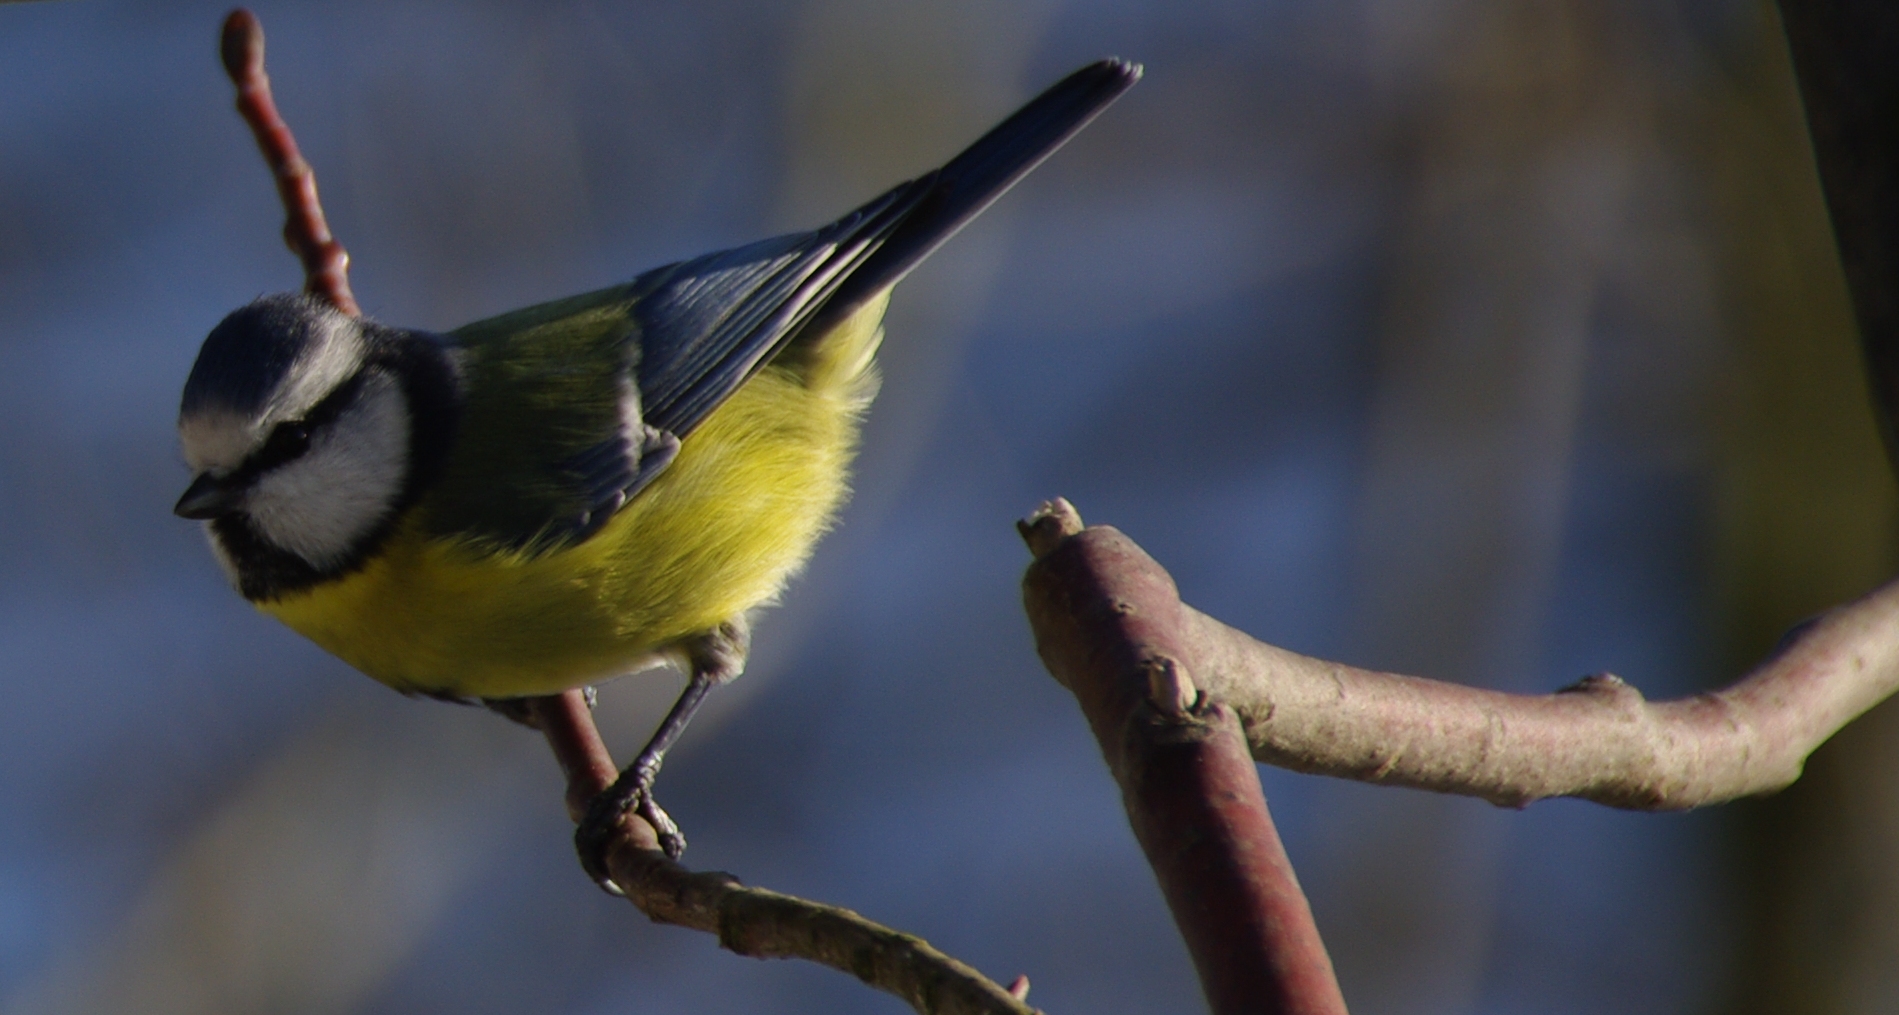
<point>1168,689</point>
<point>749,921</point>
<point>1191,789</point>
<point>1599,740</point>
<point>325,262</point>
<point>1104,612</point>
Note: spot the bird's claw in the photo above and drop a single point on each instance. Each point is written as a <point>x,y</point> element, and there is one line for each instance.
<point>672,841</point>
<point>605,816</point>
<point>595,835</point>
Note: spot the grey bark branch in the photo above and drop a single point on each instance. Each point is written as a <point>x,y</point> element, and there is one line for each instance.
<point>755,921</point>
<point>1598,739</point>
<point>771,925</point>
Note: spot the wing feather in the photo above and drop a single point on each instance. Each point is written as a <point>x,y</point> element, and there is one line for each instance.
<point>574,406</point>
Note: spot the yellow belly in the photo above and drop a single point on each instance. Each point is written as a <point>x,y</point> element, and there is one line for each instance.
<point>718,533</point>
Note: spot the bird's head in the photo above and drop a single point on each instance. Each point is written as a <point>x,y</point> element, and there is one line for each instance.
<point>299,430</point>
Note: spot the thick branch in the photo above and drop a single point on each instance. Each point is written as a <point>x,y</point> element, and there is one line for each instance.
<point>325,262</point>
<point>1194,800</point>
<point>1599,739</point>
<point>754,921</point>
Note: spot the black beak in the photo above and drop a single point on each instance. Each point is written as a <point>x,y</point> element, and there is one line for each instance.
<point>209,497</point>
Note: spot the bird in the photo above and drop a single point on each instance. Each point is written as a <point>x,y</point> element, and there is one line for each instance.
<point>585,488</point>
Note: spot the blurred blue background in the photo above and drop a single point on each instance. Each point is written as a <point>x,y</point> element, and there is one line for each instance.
<point>1434,335</point>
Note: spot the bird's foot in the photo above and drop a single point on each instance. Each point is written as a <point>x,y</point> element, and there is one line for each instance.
<point>632,793</point>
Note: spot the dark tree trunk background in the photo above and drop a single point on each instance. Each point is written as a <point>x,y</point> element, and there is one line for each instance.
<point>1813,516</point>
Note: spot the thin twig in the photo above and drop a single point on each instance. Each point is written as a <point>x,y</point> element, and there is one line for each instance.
<point>1598,740</point>
<point>1192,794</point>
<point>325,262</point>
<point>749,921</point>
<point>566,720</point>
<point>755,921</point>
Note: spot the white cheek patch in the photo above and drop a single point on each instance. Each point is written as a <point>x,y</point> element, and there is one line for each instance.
<point>322,503</point>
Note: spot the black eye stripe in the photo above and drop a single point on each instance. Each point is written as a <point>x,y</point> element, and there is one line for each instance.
<point>290,439</point>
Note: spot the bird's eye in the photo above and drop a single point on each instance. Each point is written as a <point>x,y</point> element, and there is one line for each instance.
<point>287,441</point>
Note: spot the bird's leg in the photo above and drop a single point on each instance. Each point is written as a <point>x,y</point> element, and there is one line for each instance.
<point>634,788</point>
<point>714,658</point>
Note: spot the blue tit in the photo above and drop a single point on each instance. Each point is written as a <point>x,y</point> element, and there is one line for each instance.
<point>585,488</point>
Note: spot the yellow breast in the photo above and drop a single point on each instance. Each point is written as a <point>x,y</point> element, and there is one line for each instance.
<point>718,533</point>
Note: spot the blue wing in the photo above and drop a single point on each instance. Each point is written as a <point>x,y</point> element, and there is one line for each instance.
<point>576,405</point>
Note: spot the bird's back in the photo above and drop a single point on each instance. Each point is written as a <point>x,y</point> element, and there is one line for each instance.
<point>636,466</point>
